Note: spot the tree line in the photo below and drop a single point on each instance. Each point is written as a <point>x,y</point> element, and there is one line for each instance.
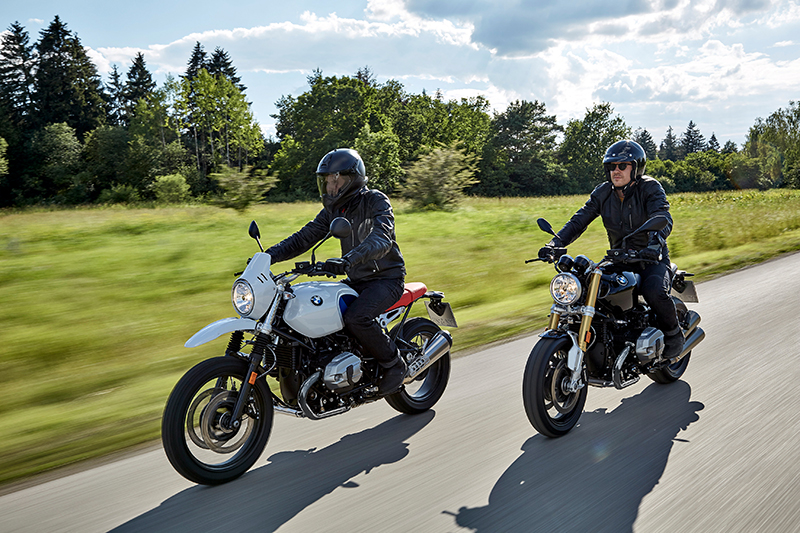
<point>68,138</point>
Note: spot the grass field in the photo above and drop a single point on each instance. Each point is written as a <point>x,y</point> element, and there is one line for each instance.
<point>96,303</point>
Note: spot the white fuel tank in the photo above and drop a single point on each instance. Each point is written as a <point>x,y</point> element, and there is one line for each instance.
<point>317,307</point>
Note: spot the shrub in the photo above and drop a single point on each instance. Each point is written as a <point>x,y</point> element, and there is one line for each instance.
<point>240,189</point>
<point>437,180</point>
<point>170,189</point>
<point>119,194</point>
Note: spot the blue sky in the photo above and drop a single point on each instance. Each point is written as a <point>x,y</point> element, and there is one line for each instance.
<point>719,63</point>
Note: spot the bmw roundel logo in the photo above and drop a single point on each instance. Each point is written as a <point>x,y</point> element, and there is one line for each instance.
<point>316,299</point>
<point>622,280</point>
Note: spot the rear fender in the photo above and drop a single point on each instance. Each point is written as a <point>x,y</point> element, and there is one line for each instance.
<point>220,327</point>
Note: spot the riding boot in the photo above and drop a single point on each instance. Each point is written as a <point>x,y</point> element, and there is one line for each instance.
<point>673,344</point>
<point>393,376</point>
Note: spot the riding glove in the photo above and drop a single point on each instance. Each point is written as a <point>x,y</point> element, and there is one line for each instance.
<point>337,265</point>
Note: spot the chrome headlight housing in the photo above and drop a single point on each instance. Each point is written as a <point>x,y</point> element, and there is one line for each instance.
<point>565,288</point>
<point>242,297</point>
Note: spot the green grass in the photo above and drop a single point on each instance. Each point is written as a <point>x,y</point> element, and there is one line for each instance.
<point>96,303</point>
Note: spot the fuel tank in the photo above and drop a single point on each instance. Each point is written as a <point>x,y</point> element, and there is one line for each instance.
<point>618,289</point>
<point>317,307</point>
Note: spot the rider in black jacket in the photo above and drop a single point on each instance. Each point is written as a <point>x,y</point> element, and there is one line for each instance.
<point>370,255</point>
<point>625,201</point>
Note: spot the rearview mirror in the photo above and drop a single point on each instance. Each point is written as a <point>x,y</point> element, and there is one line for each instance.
<point>253,230</point>
<point>545,226</point>
<point>255,234</point>
<point>340,227</point>
<point>656,223</point>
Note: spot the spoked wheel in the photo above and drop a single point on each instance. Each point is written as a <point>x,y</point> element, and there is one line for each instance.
<point>422,393</point>
<point>200,438</point>
<point>673,372</point>
<point>551,409</point>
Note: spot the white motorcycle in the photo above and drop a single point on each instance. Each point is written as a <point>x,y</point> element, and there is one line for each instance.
<point>218,417</point>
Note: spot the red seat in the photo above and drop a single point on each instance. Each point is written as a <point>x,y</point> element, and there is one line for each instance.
<point>411,292</point>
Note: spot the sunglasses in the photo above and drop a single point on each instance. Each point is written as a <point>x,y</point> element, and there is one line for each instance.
<point>612,166</point>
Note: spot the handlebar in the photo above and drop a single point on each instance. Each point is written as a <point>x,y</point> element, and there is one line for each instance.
<point>619,255</point>
<point>615,255</point>
<point>307,268</point>
<point>552,258</point>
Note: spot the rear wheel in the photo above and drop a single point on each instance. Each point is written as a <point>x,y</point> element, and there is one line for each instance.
<point>422,393</point>
<point>201,441</point>
<point>673,372</point>
<point>552,410</point>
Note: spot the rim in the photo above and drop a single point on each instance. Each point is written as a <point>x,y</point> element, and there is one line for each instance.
<point>558,405</point>
<point>427,382</point>
<point>209,437</point>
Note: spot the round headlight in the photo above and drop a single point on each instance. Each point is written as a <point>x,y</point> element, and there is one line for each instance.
<point>242,297</point>
<point>565,288</point>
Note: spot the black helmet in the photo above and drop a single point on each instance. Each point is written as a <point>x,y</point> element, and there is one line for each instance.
<point>626,150</point>
<point>348,164</point>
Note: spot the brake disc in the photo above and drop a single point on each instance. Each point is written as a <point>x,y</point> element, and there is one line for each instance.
<point>216,425</point>
<point>191,429</point>
<point>563,401</point>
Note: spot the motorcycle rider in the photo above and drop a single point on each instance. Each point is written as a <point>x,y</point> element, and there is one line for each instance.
<point>625,201</point>
<point>371,257</point>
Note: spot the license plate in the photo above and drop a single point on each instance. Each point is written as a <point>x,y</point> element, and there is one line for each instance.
<point>441,314</point>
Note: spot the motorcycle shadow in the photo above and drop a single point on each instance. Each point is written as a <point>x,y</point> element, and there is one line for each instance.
<point>267,497</point>
<point>593,479</point>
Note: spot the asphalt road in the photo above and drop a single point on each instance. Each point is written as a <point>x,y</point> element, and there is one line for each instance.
<point>716,451</point>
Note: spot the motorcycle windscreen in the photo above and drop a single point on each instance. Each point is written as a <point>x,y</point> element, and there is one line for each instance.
<point>689,294</point>
<point>441,314</point>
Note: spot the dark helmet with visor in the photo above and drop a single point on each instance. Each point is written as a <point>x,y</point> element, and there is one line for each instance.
<point>623,152</point>
<point>347,164</point>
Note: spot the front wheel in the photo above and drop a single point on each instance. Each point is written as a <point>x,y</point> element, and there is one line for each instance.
<point>201,441</point>
<point>552,410</point>
<point>422,393</point>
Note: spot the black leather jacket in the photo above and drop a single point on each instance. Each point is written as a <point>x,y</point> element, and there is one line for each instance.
<point>371,247</point>
<point>643,200</point>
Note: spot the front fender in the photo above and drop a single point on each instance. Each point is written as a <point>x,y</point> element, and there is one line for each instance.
<point>574,355</point>
<point>220,327</point>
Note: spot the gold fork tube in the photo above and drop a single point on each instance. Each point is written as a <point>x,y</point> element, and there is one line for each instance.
<point>554,318</point>
<point>588,309</point>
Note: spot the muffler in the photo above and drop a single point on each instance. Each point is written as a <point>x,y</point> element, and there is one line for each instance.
<point>693,318</point>
<point>691,341</point>
<point>436,347</point>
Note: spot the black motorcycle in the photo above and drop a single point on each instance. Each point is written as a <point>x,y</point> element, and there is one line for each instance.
<point>601,333</point>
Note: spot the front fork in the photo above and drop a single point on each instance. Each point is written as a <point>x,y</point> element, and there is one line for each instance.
<point>580,340</point>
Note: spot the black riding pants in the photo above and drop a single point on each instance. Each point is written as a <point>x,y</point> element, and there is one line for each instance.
<point>374,297</point>
<point>655,286</point>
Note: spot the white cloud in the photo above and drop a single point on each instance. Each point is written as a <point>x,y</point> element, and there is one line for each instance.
<point>656,61</point>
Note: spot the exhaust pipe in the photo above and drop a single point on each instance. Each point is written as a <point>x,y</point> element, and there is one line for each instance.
<point>693,318</point>
<point>307,411</point>
<point>436,347</point>
<point>691,341</point>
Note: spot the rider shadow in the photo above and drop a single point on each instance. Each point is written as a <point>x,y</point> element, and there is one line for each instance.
<point>273,494</point>
<point>593,479</point>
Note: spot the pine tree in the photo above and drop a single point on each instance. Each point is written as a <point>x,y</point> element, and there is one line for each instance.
<point>220,64</point>
<point>68,88</point>
<point>643,137</point>
<point>17,66</point>
<point>669,147</point>
<point>713,143</point>
<point>116,98</point>
<point>729,148</point>
<point>196,62</point>
<point>139,85</point>
<point>692,141</point>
